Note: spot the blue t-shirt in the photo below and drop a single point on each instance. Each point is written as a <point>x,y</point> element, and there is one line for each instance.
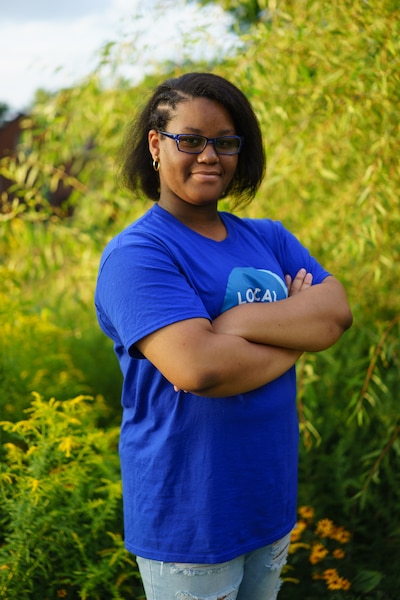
<point>204,479</point>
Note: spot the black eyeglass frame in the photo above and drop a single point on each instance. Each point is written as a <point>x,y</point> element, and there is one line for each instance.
<point>213,141</point>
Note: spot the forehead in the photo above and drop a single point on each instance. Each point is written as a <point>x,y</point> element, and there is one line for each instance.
<point>202,113</point>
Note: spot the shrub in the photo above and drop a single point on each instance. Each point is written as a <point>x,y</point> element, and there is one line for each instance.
<point>60,493</point>
<point>321,562</point>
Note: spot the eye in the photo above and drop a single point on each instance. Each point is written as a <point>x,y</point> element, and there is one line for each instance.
<point>227,143</point>
<point>191,142</point>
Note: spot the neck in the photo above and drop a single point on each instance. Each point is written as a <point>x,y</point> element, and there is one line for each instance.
<point>205,220</point>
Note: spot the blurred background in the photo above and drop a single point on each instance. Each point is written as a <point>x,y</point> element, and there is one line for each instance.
<point>324,79</point>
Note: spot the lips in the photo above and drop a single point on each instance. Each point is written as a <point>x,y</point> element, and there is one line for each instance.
<point>206,174</point>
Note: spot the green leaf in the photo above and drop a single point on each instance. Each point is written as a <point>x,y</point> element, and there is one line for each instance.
<point>367,581</point>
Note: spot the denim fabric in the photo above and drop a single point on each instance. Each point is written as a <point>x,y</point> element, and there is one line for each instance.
<point>252,576</point>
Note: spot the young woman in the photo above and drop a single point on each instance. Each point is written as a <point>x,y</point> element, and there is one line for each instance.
<point>209,313</point>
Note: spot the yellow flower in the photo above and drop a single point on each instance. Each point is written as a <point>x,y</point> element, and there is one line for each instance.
<point>340,534</point>
<point>324,528</point>
<point>329,574</point>
<point>35,483</point>
<point>297,531</point>
<point>306,512</point>
<point>318,553</point>
<point>334,581</point>
<point>67,444</point>
<point>338,553</point>
<point>346,585</point>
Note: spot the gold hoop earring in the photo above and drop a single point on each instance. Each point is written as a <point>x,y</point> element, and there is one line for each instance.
<point>156,164</point>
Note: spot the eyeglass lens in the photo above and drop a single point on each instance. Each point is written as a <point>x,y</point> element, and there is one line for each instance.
<point>197,143</point>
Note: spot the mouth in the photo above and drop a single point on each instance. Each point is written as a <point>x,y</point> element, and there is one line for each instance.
<point>206,175</point>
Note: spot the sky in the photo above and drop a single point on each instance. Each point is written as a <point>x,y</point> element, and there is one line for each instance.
<point>50,45</point>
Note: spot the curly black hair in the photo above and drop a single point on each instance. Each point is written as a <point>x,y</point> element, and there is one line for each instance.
<point>136,163</point>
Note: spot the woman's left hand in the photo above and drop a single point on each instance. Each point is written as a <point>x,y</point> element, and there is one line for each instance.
<point>301,282</point>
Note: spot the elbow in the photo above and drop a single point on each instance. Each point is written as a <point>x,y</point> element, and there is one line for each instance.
<point>344,320</point>
<point>348,320</point>
<point>334,331</point>
<point>338,317</point>
<point>340,322</point>
<point>344,316</point>
<point>340,326</point>
<point>197,380</point>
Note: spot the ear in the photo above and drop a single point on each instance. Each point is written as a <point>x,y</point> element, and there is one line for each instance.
<point>154,143</point>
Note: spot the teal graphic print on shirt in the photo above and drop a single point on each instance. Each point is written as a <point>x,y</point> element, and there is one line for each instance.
<point>247,285</point>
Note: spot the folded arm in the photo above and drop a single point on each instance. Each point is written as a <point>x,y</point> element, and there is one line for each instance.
<point>312,320</point>
<point>251,344</point>
<point>196,359</point>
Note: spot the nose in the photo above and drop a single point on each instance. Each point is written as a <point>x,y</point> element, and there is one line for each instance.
<point>209,154</point>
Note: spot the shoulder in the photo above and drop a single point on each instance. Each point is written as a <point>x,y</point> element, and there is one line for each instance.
<point>265,228</point>
<point>143,234</point>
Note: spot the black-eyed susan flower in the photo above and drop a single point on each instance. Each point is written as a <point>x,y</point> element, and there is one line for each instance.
<point>318,553</point>
<point>324,528</point>
<point>306,513</point>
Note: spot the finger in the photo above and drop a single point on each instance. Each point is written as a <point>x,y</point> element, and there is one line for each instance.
<point>301,282</point>
<point>177,389</point>
<point>298,281</point>
<point>308,279</point>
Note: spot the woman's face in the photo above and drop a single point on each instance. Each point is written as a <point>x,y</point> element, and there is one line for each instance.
<point>193,179</point>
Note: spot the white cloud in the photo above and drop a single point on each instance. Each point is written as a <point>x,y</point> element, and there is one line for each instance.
<point>58,49</point>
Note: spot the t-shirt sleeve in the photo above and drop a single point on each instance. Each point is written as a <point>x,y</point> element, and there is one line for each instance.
<point>141,289</point>
<point>293,256</point>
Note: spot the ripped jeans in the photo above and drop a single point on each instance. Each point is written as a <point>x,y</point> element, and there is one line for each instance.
<point>252,576</point>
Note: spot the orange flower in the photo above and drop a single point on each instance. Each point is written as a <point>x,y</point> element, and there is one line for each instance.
<point>330,574</point>
<point>318,553</point>
<point>297,531</point>
<point>346,585</point>
<point>334,581</point>
<point>324,528</point>
<point>306,512</point>
<point>338,553</point>
<point>340,534</point>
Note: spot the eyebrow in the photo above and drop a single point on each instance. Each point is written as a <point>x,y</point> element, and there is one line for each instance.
<point>198,131</point>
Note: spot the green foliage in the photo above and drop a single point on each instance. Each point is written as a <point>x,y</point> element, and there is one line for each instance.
<point>246,12</point>
<point>324,79</point>
<point>60,494</point>
<point>50,338</point>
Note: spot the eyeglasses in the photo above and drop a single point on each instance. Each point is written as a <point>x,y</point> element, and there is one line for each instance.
<point>195,144</point>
